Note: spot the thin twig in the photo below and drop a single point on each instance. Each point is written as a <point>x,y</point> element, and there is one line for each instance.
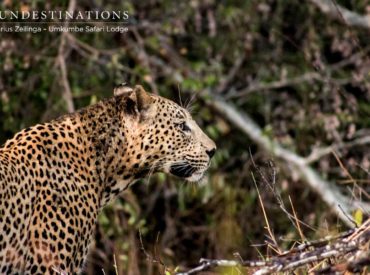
<point>272,236</point>
<point>298,226</point>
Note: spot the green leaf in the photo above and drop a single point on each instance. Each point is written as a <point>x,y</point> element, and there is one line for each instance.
<point>358,216</point>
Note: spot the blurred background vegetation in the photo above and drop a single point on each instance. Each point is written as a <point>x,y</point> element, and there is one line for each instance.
<point>299,73</point>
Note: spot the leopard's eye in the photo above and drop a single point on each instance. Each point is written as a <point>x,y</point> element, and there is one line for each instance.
<point>184,127</point>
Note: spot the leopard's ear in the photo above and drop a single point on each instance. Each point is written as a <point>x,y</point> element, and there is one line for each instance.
<point>143,99</point>
<point>122,89</point>
<point>136,101</point>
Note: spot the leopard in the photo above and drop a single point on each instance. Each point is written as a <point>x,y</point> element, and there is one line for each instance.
<point>55,177</point>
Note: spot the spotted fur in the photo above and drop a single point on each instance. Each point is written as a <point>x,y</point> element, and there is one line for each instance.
<point>56,176</point>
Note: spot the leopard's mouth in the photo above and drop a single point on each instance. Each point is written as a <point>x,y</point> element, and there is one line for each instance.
<point>187,171</point>
<point>182,170</point>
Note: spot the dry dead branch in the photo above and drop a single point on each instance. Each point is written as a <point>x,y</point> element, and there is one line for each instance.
<point>348,251</point>
<point>337,12</point>
<point>318,153</point>
<point>61,63</point>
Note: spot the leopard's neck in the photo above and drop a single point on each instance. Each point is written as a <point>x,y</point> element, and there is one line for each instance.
<point>109,132</point>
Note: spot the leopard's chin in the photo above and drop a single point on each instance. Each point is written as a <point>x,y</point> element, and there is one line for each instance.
<point>195,177</point>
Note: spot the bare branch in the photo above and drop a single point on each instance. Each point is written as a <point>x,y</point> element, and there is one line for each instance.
<point>307,77</point>
<point>67,93</point>
<point>206,264</point>
<point>318,153</point>
<point>351,247</point>
<point>61,62</point>
<point>337,12</point>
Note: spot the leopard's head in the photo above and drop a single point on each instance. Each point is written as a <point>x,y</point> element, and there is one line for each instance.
<point>165,136</point>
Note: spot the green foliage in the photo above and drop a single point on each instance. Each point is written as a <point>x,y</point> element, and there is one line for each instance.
<point>189,48</point>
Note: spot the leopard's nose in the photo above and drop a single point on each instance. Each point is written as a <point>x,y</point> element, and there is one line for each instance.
<point>211,152</point>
